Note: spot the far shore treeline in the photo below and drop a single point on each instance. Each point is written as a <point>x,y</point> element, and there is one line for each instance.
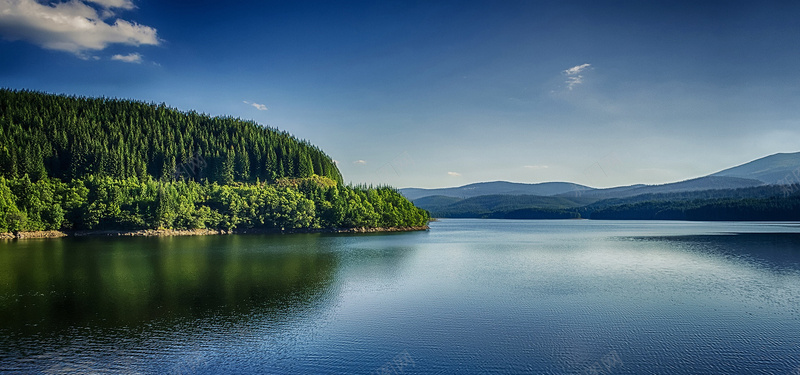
<point>761,203</point>
<point>72,163</point>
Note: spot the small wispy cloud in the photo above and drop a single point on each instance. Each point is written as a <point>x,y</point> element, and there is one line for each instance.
<point>134,58</point>
<point>574,75</point>
<point>577,69</point>
<point>260,107</point>
<point>454,174</point>
<point>360,162</point>
<point>534,167</point>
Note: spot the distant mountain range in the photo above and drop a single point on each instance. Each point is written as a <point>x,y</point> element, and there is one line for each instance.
<point>756,179</point>
<point>497,188</point>
<point>770,170</point>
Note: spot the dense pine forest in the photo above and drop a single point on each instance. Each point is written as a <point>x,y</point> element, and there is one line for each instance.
<point>95,163</point>
<point>67,138</point>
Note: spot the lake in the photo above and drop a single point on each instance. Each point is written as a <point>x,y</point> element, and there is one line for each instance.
<point>468,296</point>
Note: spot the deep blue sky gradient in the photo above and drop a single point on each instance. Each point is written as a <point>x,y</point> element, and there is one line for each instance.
<point>440,93</point>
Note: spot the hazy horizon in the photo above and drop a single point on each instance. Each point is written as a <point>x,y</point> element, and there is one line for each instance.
<point>444,93</point>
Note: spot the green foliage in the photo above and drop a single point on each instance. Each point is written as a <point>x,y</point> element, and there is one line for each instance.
<point>9,213</point>
<point>102,202</point>
<point>36,205</point>
<point>71,138</point>
<point>82,163</point>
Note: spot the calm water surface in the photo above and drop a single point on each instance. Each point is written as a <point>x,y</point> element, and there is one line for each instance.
<point>468,296</point>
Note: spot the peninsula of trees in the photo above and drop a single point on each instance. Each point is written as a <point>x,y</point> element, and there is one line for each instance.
<point>73,163</point>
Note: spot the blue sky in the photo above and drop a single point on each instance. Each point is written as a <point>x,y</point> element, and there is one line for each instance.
<point>444,93</point>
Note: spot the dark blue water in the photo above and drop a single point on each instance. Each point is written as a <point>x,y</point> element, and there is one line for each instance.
<point>468,296</point>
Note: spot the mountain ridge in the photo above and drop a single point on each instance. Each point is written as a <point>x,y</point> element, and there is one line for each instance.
<point>775,169</point>
<point>497,188</point>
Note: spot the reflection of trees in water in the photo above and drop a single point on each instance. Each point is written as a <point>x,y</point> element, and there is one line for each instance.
<point>53,285</point>
<point>168,305</point>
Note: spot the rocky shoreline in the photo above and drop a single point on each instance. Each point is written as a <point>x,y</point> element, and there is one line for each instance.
<point>194,232</point>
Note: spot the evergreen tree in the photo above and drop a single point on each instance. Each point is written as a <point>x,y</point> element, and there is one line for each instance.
<point>306,167</point>
<point>227,171</point>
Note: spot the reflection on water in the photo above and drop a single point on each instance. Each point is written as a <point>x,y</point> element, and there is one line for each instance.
<point>470,296</point>
<point>109,291</point>
<point>775,251</point>
<point>50,285</point>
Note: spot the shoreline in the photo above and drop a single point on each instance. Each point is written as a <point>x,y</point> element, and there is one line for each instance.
<point>195,232</point>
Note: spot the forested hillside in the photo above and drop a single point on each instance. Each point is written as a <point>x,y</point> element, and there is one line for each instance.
<point>64,137</point>
<point>759,192</point>
<point>80,163</point>
<point>724,209</point>
<point>503,206</point>
<point>772,202</point>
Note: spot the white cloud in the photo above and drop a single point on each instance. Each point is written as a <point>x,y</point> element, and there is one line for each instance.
<point>535,167</point>
<point>360,162</point>
<point>577,69</point>
<point>129,58</point>
<point>574,76</point>
<point>574,81</point>
<point>260,107</point>
<point>72,26</point>
<point>454,174</point>
<point>124,4</point>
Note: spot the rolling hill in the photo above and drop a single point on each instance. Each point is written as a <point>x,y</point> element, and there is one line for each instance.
<point>777,169</point>
<point>497,205</point>
<point>497,188</point>
<point>762,179</point>
<point>695,184</point>
<point>782,168</point>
